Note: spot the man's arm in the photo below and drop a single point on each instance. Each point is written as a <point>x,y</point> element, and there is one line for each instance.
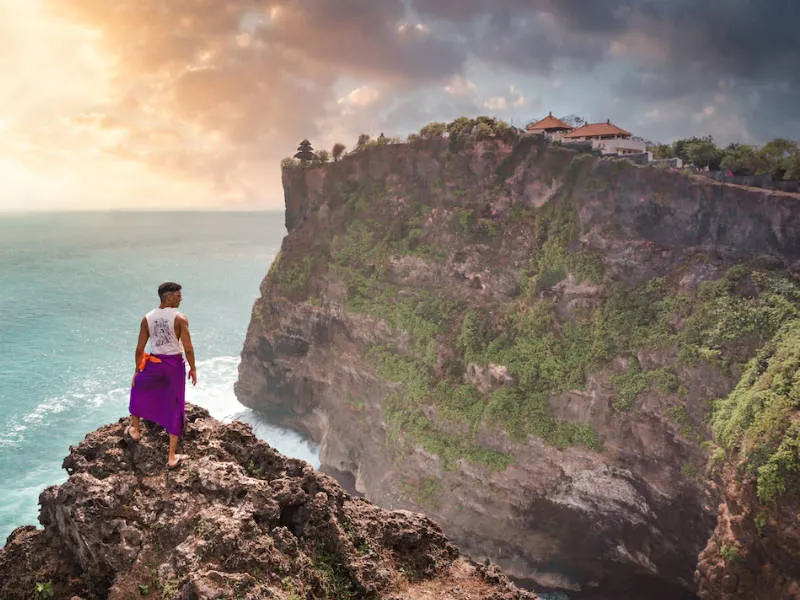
<point>144,335</point>
<point>186,339</point>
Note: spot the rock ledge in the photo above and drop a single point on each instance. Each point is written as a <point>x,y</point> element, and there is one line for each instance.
<point>237,520</point>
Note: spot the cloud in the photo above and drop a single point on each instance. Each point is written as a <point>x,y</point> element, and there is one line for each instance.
<point>648,51</point>
<point>362,97</point>
<point>237,82</point>
<point>496,103</point>
<point>708,111</point>
<point>458,85</point>
<point>741,38</point>
<point>519,98</point>
<point>513,98</point>
<point>212,94</point>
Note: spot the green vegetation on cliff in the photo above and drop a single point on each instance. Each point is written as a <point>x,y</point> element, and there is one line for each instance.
<point>757,423</point>
<point>388,245</point>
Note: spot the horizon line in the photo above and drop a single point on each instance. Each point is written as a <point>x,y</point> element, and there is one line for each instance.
<point>8,212</point>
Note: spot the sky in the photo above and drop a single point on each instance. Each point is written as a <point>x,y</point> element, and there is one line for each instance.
<point>191,104</point>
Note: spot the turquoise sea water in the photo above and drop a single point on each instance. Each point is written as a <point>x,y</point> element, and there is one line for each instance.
<point>73,288</point>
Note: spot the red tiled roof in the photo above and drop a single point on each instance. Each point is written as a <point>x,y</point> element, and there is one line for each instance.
<point>549,122</point>
<point>596,130</point>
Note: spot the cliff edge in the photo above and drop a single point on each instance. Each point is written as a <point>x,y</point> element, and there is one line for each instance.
<point>237,520</point>
<point>541,349</point>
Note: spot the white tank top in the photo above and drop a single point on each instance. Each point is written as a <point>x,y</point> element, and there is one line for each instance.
<point>161,323</point>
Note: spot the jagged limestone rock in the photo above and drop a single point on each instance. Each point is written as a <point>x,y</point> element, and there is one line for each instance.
<point>237,520</point>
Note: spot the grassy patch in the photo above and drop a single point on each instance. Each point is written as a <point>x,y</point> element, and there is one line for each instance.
<point>335,578</point>
<point>426,492</point>
<point>728,311</point>
<point>556,228</point>
<point>292,275</point>
<point>406,416</point>
<point>729,552</point>
<point>667,381</point>
<point>628,386</point>
<point>684,420</point>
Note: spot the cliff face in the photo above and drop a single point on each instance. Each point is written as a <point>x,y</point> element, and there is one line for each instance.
<point>526,344</point>
<point>238,520</point>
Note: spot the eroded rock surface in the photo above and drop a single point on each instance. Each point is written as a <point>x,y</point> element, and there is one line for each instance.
<point>755,549</point>
<point>237,520</point>
<point>604,479</point>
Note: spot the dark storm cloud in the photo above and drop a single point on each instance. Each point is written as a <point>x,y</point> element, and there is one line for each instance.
<point>364,36</point>
<point>740,58</point>
<point>530,35</point>
<point>753,39</point>
<point>743,38</point>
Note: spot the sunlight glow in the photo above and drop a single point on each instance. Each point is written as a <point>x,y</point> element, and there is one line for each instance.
<point>62,145</point>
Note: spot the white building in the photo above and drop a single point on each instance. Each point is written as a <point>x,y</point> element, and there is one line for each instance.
<point>607,138</point>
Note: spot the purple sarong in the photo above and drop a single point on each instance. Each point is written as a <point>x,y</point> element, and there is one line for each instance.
<point>159,393</point>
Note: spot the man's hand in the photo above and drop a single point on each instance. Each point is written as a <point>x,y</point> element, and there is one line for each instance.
<point>193,376</point>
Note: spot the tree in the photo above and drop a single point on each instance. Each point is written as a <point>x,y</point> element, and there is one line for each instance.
<point>460,126</point>
<point>662,151</point>
<point>792,165</point>
<point>503,130</point>
<point>323,156</point>
<point>774,154</point>
<point>433,130</point>
<point>741,160</point>
<point>338,150</point>
<point>574,120</point>
<point>483,130</point>
<point>680,147</point>
<point>704,153</point>
<point>305,153</point>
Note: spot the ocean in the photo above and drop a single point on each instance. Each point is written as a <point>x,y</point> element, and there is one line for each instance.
<point>73,289</point>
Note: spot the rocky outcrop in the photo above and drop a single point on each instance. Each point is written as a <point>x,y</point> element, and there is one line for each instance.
<point>237,520</point>
<point>523,342</point>
<point>755,549</point>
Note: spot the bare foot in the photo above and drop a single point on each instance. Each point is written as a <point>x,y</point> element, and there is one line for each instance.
<point>179,458</point>
<point>131,431</point>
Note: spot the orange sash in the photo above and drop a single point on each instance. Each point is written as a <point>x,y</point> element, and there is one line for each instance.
<point>147,358</point>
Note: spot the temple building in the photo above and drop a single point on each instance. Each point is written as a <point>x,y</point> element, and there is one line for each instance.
<point>550,126</point>
<point>604,137</point>
<point>607,138</point>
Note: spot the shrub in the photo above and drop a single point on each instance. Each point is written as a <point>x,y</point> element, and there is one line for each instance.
<point>629,385</point>
<point>44,590</point>
<point>755,420</point>
<point>729,552</point>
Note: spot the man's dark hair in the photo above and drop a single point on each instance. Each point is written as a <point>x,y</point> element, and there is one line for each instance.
<point>167,287</point>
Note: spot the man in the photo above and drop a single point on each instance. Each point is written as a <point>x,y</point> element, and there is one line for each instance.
<point>158,389</point>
